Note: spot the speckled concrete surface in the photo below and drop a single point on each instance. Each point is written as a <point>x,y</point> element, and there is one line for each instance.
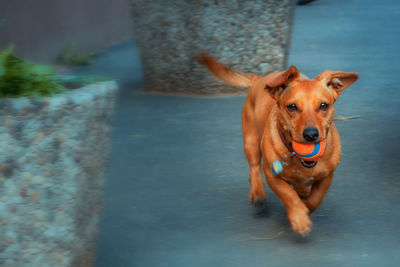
<point>52,170</point>
<point>176,193</point>
<point>171,33</point>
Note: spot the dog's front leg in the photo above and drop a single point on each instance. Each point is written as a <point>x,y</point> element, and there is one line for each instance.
<point>296,210</point>
<point>318,192</point>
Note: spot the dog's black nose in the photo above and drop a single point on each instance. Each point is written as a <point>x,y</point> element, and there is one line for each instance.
<point>310,134</point>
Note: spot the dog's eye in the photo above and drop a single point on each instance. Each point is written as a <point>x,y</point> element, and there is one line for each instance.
<point>292,107</point>
<point>323,106</point>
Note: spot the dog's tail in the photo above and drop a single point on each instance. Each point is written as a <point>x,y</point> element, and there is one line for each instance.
<point>226,74</point>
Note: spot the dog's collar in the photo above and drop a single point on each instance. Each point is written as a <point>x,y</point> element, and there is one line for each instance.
<point>287,144</point>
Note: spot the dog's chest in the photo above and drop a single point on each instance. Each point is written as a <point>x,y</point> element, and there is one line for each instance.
<point>296,174</point>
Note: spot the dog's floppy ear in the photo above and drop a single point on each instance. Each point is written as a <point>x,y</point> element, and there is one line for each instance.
<point>337,80</point>
<point>276,84</point>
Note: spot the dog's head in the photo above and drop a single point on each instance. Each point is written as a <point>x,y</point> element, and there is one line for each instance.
<point>306,106</point>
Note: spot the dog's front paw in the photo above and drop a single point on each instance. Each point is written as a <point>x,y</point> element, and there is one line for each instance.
<point>300,221</point>
<point>257,196</point>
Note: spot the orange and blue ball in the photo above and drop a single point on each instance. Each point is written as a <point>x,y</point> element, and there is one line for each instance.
<point>309,151</point>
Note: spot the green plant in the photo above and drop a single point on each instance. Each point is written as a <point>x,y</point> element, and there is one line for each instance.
<point>19,77</point>
<point>70,56</point>
<point>74,82</point>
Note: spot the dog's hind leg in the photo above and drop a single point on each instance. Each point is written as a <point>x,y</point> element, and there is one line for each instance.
<point>318,192</point>
<point>302,190</point>
<point>252,150</point>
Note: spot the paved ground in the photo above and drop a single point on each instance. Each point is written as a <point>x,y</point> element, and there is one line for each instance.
<point>177,186</point>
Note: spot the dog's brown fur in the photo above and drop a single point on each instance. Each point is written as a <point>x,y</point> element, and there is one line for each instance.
<point>267,122</point>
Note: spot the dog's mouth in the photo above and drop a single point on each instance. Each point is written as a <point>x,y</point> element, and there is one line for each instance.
<point>308,164</point>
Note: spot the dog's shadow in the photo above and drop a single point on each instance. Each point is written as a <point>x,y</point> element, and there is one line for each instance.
<point>271,209</point>
<point>262,211</point>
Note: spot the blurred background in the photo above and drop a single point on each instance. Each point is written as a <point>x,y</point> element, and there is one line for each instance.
<point>42,30</point>
<point>154,174</point>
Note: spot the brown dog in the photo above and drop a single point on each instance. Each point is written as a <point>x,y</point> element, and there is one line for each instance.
<point>281,107</point>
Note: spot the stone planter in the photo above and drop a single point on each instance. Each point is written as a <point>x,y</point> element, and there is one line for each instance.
<point>52,168</point>
<point>250,36</point>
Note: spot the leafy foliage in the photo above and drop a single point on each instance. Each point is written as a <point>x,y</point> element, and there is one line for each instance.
<point>84,79</point>
<point>72,82</point>
<point>70,56</point>
<point>21,78</point>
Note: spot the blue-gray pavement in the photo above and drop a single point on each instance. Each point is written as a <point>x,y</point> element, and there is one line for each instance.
<point>177,185</point>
